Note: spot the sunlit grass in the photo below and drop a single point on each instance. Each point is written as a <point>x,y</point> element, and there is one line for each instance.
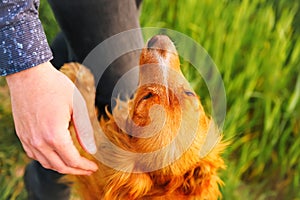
<point>255,48</point>
<point>12,158</point>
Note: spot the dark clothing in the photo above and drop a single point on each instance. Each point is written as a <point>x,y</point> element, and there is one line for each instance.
<point>43,184</point>
<point>85,24</point>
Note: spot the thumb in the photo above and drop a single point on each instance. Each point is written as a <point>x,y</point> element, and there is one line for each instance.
<point>82,123</point>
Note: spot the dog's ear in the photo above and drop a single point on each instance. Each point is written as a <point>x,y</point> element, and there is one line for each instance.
<point>203,180</point>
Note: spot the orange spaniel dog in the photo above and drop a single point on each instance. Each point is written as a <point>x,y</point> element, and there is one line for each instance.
<point>150,146</point>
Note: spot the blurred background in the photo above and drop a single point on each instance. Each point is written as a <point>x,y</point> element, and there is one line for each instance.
<point>256,47</point>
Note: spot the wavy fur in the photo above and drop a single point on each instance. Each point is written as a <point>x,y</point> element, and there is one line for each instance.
<point>189,177</point>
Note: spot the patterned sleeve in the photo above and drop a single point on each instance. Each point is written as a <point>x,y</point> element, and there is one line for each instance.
<point>23,43</point>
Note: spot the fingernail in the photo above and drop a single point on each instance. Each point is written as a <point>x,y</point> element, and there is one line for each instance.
<point>94,167</point>
<point>89,173</point>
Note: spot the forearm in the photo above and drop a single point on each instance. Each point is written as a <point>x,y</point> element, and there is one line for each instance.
<point>23,41</point>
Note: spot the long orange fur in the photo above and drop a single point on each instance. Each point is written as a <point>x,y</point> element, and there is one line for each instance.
<point>189,177</point>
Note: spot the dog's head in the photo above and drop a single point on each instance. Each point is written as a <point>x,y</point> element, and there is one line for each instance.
<point>165,114</point>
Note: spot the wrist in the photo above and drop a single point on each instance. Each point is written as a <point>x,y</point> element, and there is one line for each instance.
<point>33,73</point>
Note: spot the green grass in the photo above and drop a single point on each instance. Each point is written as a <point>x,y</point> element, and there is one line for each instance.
<point>257,50</point>
<point>12,158</point>
<point>256,46</point>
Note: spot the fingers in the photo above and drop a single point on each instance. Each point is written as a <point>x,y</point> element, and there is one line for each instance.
<point>71,157</point>
<point>54,161</point>
<point>82,123</point>
<point>61,156</point>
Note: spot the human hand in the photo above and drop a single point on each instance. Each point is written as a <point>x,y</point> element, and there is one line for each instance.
<point>44,101</point>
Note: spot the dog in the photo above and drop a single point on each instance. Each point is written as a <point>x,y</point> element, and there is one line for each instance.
<point>151,143</point>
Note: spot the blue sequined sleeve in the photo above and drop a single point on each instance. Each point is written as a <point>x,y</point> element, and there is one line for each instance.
<point>23,43</point>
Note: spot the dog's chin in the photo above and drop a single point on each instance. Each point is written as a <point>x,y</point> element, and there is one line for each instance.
<point>171,139</point>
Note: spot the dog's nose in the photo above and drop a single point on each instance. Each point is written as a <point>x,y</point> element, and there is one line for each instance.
<point>162,42</point>
<point>152,41</point>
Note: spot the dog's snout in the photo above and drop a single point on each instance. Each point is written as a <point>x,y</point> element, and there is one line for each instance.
<point>158,55</point>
